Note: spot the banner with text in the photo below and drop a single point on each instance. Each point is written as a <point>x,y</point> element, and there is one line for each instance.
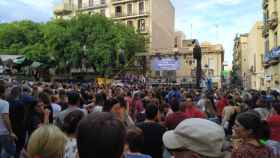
<point>165,64</point>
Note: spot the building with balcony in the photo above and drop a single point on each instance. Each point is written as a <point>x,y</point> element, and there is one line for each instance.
<point>146,16</point>
<point>254,73</point>
<point>271,31</point>
<point>240,62</point>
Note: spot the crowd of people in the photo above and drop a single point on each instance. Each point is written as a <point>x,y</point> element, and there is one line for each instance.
<point>61,120</point>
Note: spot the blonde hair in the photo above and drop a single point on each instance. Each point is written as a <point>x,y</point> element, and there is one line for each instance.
<point>47,141</point>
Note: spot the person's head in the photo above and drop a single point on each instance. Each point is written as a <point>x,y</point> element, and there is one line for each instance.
<point>128,94</point>
<point>73,98</point>
<point>175,106</point>
<point>137,96</point>
<point>15,93</point>
<point>61,94</point>
<point>195,138</point>
<point>100,134</point>
<point>152,112</point>
<point>231,103</point>
<point>134,139</point>
<point>47,142</point>
<point>54,99</point>
<point>189,101</point>
<point>44,98</point>
<point>248,125</point>
<point>166,108</point>
<point>99,99</point>
<point>260,102</point>
<point>39,107</point>
<point>182,106</point>
<point>71,122</point>
<point>116,106</point>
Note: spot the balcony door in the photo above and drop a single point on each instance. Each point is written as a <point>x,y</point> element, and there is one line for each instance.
<point>141,25</point>
<point>118,11</point>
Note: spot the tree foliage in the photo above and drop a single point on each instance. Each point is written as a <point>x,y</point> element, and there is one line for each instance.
<point>90,40</point>
<point>235,78</point>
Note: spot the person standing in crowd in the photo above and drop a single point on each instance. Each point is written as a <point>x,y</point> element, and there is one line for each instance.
<point>70,125</point>
<point>44,99</point>
<point>36,116</point>
<point>135,143</point>
<point>99,102</point>
<point>7,136</point>
<point>191,110</point>
<point>128,99</point>
<point>101,135</point>
<point>153,132</point>
<point>73,104</point>
<point>254,134</point>
<point>274,124</point>
<point>227,114</point>
<point>55,106</point>
<point>48,141</point>
<point>137,106</point>
<point>17,114</point>
<point>177,116</point>
<point>118,107</point>
<point>262,107</point>
<point>221,104</point>
<point>202,101</point>
<point>210,111</point>
<point>173,93</point>
<point>62,99</point>
<point>195,138</point>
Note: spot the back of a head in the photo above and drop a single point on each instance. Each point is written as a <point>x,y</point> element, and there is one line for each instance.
<point>99,99</point>
<point>42,140</point>
<point>108,105</point>
<point>151,111</point>
<point>175,106</point>
<point>99,135</point>
<point>71,121</point>
<point>45,98</point>
<point>252,121</point>
<point>73,98</point>
<point>15,92</point>
<point>135,139</point>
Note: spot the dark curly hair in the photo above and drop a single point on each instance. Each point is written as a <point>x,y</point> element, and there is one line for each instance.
<point>71,121</point>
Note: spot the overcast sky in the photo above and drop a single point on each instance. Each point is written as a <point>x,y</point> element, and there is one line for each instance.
<point>216,21</point>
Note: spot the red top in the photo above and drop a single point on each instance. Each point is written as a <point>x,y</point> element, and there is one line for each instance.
<point>221,105</point>
<point>174,119</point>
<point>274,124</point>
<point>194,112</point>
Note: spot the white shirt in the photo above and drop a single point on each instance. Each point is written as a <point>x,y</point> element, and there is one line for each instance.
<point>71,149</point>
<point>4,109</point>
<point>56,109</point>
